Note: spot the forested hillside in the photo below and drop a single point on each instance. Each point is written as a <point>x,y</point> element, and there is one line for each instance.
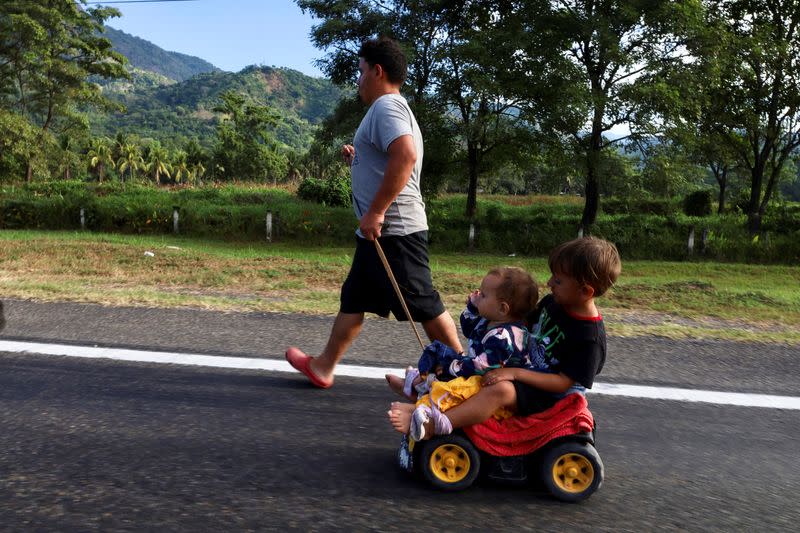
<point>186,109</point>
<point>145,55</point>
<point>506,103</point>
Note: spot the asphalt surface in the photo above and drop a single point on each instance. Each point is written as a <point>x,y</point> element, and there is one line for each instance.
<point>103,445</point>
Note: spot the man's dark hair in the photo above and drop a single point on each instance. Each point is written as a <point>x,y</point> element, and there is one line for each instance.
<point>385,52</point>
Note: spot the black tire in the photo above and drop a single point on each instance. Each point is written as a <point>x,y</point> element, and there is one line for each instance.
<point>572,470</point>
<point>449,462</point>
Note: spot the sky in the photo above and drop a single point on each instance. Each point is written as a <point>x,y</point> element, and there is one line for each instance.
<point>230,34</point>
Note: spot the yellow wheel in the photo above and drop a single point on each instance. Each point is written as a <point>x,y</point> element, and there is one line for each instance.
<point>450,462</point>
<point>572,471</point>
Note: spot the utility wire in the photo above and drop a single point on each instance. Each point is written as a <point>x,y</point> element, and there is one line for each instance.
<point>136,2</point>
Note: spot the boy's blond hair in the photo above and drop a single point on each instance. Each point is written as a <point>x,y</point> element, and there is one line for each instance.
<point>518,289</point>
<point>591,261</point>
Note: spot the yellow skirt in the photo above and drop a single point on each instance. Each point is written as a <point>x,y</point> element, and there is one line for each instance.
<point>448,394</point>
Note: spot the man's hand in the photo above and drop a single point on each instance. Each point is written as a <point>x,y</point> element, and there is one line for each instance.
<point>370,225</point>
<point>348,154</point>
<point>497,375</point>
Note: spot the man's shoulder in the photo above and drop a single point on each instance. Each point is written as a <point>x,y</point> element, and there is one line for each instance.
<point>390,103</point>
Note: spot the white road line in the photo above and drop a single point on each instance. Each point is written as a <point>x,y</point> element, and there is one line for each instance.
<point>274,365</point>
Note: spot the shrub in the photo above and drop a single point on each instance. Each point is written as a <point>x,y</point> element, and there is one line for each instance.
<point>334,191</point>
<point>238,212</point>
<point>638,206</point>
<point>698,203</point>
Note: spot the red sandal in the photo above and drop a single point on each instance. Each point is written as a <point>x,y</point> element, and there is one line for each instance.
<point>302,362</point>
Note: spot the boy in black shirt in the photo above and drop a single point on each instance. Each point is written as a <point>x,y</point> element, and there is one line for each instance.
<point>569,348</point>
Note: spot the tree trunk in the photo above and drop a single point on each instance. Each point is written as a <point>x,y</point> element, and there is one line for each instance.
<point>754,205</point>
<point>29,172</point>
<point>773,179</point>
<point>721,174</point>
<point>592,190</point>
<point>472,190</point>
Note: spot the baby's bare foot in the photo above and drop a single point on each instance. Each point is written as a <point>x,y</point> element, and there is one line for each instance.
<point>400,416</point>
<point>397,384</point>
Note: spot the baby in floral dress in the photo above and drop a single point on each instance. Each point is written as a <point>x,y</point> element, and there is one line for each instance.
<point>497,337</point>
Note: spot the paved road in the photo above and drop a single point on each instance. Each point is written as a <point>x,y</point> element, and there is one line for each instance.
<point>102,445</point>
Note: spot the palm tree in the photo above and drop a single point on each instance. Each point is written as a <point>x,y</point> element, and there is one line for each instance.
<point>67,155</point>
<point>196,171</point>
<point>131,160</point>
<point>100,156</point>
<point>180,169</point>
<point>158,162</point>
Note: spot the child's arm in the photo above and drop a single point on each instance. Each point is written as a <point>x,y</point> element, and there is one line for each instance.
<point>498,348</point>
<point>557,383</point>
<point>469,318</point>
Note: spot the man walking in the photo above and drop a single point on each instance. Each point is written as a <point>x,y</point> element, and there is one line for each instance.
<point>385,161</point>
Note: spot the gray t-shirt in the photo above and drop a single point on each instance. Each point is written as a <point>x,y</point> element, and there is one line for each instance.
<point>388,118</point>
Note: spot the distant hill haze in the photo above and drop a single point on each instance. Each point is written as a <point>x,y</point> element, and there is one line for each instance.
<point>172,96</point>
<point>145,55</point>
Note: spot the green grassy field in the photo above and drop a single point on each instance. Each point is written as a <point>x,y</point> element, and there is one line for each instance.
<point>674,299</point>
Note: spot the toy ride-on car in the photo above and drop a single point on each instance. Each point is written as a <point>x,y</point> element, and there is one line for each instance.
<point>557,445</point>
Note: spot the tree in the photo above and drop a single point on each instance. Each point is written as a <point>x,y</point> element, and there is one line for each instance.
<point>180,168</point>
<point>590,60</point>
<point>130,161</point>
<point>452,86</point>
<point>703,144</point>
<point>749,56</point>
<point>67,158</point>
<point>158,162</point>
<point>100,156</point>
<point>196,171</point>
<point>48,50</point>
<point>246,147</point>
<point>196,160</point>
<point>19,142</point>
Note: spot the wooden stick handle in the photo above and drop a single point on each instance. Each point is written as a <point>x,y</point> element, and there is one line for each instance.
<point>397,291</point>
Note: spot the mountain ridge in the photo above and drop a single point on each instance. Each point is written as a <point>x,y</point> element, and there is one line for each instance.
<point>159,106</point>
<point>144,55</point>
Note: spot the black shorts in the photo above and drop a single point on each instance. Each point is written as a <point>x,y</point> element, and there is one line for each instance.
<point>368,289</point>
<point>531,400</point>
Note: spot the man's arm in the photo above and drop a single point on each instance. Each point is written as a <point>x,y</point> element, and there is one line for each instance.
<point>402,157</point>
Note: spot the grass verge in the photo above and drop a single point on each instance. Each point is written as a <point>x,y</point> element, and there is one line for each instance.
<point>672,299</point>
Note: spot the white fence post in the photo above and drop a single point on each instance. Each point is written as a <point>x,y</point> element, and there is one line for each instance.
<point>269,226</point>
<point>175,220</point>
<point>471,235</point>
<point>691,240</point>
<point>83,219</point>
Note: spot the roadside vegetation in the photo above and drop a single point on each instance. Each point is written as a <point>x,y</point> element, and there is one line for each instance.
<point>668,128</point>
<point>530,225</point>
<point>680,300</point>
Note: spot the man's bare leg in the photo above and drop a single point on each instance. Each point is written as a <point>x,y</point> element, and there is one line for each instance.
<point>346,328</point>
<point>443,329</point>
